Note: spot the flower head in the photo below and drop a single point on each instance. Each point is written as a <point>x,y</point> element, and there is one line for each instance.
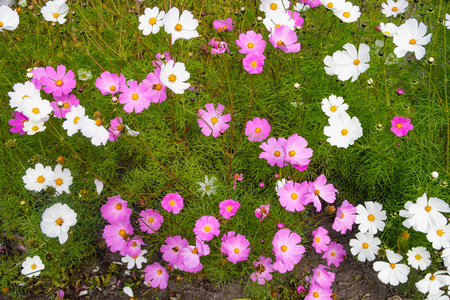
<point>296,152</point>
<point>171,248</point>
<point>172,203</point>
<point>150,220</point>
<point>262,211</point>
<point>284,38</point>
<point>156,275</point>
<point>151,20</point>
<point>32,266</point>
<point>365,246</point>
<point>343,130</point>
<point>333,105</point>
<point>401,126</point>
<point>419,258</point>
<point>320,239</point>
<point>410,36</point>
<point>236,247</point>
<point>370,217</point>
<point>38,178</point>
<point>109,83</point>
<point>173,75</point>
<point>345,217</point>
<point>57,220</point>
<point>62,180</point>
<point>286,246</point>
<point>9,18</point>
<point>251,42</point>
<point>393,8</point>
<point>58,82</point>
<point>293,196</point>
<point>183,26</point>
<point>348,63</point>
<point>62,105</point>
<point>228,208</point>
<point>207,187</point>
<point>263,269</point>
<point>116,210</point>
<point>136,97</point>
<point>224,25</point>
<point>391,272</point>
<point>206,228</point>
<point>253,63</point>
<point>212,120</point>
<point>55,11</point>
<point>334,254</point>
<point>257,129</point>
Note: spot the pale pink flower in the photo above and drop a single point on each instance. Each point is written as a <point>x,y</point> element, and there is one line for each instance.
<point>156,275</point>
<point>345,217</point>
<point>228,208</point>
<point>207,227</point>
<point>172,203</point>
<point>257,129</point>
<point>284,38</point>
<point>335,254</point>
<point>212,120</point>
<point>251,42</point>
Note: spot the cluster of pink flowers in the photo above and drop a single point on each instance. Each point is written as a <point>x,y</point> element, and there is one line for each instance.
<point>223,25</point>
<point>321,282</point>
<point>252,44</point>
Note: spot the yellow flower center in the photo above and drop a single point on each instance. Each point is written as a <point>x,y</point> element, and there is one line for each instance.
<point>112,88</point>
<point>33,266</point>
<point>59,221</point>
<point>278,25</point>
<point>151,219</point>
<point>178,27</point>
<point>283,248</point>
<point>229,208</point>
<point>316,192</point>
<point>135,96</point>
<point>254,64</point>
<point>317,239</point>
<point>280,43</point>
<point>399,125</point>
<point>250,45</point>
<point>55,15</point>
<point>99,122</point>
<point>291,153</point>
<point>59,82</point>
<point>1,24</point>
<point>175,249</point>
<point>172,78</point>
<point>236,250</point>
<point>258,130</point>
<point>346,14</point>
<point>75,121</point>
<point>195,251</point>
<point>344,132</point>
<point>59,181</point>
<point>316,295</point>
<point>122,232</point>
<point>392,265</point>
<point>333,254</point>
<point>118,206</point>
<point>35,128</point>
<point>119,127</point>
<point>152,21</point>
<point>294,196</point>
<point>365,245</point>
<point>225,27</point>
<point>440,232</point>
<point>412,41</point>
<point>35,110</point>
<point>159,272</point>
<point>40,179</point>
<point>134,244</point>
<point>333,108</point>
<point>66,105</point>
<point>157,86</point>
<point>214,120</point>
<point>207,228</point>
<point>387,33</point>
<point>432,277</point>
<point>428,208</point>
<point>172,202</point>
<point>395,8</point>
<point>371,218</point>
<point>342,216</point>
<point>273,6</point>
<point>418,257</point>
<point>356,62</point>
<point>330,5</point>
<point>277,153</point>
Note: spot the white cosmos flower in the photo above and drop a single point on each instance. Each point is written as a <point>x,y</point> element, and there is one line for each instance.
<point>333,105</point>
<point>9,18</point>
<point>94,130</point>
<point>57,220</point>
<point>348,13</point>
<point>38,178</point>
<point>370,217</point>
<point>151,20</point>
<point>433,282</point>
<point>173,75</point>
<point>208,187</point>
<point>9,3</point>
<point>73,118</point>
<point>36,109</point>
<point>419,258</point>
<point>439,235</point>
<point>277,19</point>
<point>180,27</point>
<point>391,272</point>
<point>365,246</point>
<point>410,36</point>
<point>274,6</point>
<point>23,93</point>
<point>343,130</point>
<point>348,63</point>
<point>333,4</point>
<point>62,180</point>
<point>388,29</point>
<point>33,127</point>
<point>135,261</point>
<point>393,8</point>
<point>32,266</point>
<point>55,11</point>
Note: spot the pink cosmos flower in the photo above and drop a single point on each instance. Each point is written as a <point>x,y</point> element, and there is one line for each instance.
<point>65,102</point>
<point>212,120</point>
<point>400,91</point>
<point>251,42</point>
<point>172,202</point>
<point>110,83</point>
<point>218,47</point>
<point>300,289</point>
<point>286,246</point>
<point>228,208</point>
<point>171,248</point>
<point>202,247</point>
<point>262,212</point>
<point>293,196</point>
<point>319,188</point>
<point>150,220</point>
<point>257,129</point>
<point>345,217</point>
<point>274,151</point>
<point>237,248</point>
<point>115,128</point>
<point>237,177</point>
<point>189,259</point>
<point>280,225</point>
<point>223,25</point>
<point>207,227</point>
<point>284,38</point>
<point>132,247</point>
<point>320,239</point>
<point>253,63</point>
<point>155,86</point>
<point>159,59</point>
<point>58,82</point>
<point>116,210</point>
<point>334,254</point>
<point>37,75</point>
<point>156,275</point>
<point>17,122</point>
<point>263,268</point>
<point>317,292</point>
<point>296,152</point>
<point>297,18</point>
<point>135,97</point>
<point>224,238</point>
<point>401,126</point>
<point>117,234</point>
<point>322,277</point>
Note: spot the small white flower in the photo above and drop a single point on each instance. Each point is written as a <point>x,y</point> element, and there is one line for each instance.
<point>343,130</point>
<point>433,282</point>
<point>365,246</point>
<point>208,187</point>
<point>419,258</point>
<point>349,63</point>
<point>151,20</point>
<point>32,266</point>
<point>32,127</point>
<point>348,13</point>
<point>173,75</point>
<point>62,180</point>
<point>333,105</point>
<point>388,29</point>
<point>23,3</point>
<point>393,8</point>
<point>300,7</point>
<point>370,217</point>
<point>333,4</point>
<point>94,130</point>
<point>9,18</point>
<point>135,261</point>
<point>84,75</point>
<point>434,175</point>
<point>439,235</point>
<point>55,11</point>
<point>38,178</point>
<point>73,119</point>
<point>274,20</point>
<point>57,220</point>
<point>36,109</point>
<point>274,6</point>
<point>391,272</point>
<point>23,93</point>
<point>296,85</point>
<point>180,27</point>
<point>410,36</point>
